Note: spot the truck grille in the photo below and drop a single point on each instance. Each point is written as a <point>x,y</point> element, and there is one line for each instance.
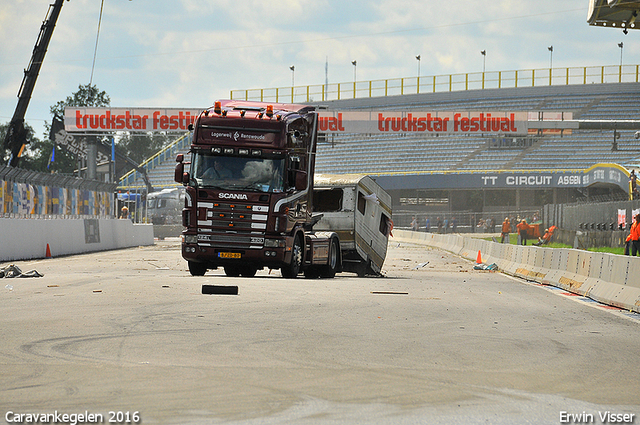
<point>232,225</point>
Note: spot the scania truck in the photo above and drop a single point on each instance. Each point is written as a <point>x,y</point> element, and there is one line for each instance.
<point>249,192</point>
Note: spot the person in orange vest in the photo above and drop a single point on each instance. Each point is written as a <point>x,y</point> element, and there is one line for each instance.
<point>635,236</point>
<point>551,230</point>
<point>523,228</point>
<point>544,239</point>
<point>506,229</point>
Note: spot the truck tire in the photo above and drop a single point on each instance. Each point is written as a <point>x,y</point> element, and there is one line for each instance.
<point>329,271</point>
<point>292,269</point>
<point>232,271</point>
<point>197,269</point>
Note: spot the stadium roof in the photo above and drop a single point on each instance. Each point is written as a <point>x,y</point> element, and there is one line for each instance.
<point>614,13</point>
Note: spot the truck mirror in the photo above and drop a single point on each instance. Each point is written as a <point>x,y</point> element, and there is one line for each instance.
<point>180,157</point>
<point>179,173</point>
<point>185,177</point>
<point>301,180</point>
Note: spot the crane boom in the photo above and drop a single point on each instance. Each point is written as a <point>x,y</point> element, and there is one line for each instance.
<point>15,137</point>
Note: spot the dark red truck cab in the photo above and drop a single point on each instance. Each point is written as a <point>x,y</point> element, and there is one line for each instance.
<point>249,191</point>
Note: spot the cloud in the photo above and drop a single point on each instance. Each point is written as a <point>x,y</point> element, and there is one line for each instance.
<point>188,52</point>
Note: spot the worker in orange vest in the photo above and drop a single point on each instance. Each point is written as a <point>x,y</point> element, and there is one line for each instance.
<point>506,229</point>
<point>523,228</point>
<point>635,236</point>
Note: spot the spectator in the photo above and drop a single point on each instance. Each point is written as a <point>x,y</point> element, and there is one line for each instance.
<point>454,225</point>
<point>633,179</point>
<point>446,225</point>
<point>506,229</point>
<point>439,224</point>
<point>427,224</point>
<point>414,223</point>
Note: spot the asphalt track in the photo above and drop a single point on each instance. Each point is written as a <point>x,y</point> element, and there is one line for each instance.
<point>433,342</point>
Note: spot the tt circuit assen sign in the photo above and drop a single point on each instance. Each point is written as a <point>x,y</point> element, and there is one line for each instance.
<point>599,174</point>
<point>128,119</point>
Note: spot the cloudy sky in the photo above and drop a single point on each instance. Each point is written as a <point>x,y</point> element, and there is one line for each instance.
<point>187,53</point>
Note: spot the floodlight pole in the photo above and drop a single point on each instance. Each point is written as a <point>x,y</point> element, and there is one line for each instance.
<point>418,80</point>
<point>621,46</point>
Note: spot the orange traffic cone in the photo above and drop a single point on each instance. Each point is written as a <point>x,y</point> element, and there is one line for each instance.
<point>48,252</point>
<point>479,259</point>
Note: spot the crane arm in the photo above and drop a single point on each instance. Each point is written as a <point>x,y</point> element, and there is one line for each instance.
<point>15,137</point>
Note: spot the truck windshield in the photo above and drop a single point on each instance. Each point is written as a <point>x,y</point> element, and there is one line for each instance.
<point>238,173</point>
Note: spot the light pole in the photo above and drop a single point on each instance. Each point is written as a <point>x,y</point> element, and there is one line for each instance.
<point>550,48</point>
<point>484,59</point>
<point>293,72</point>
<point>418,80</point>
<point>355,65</point>
<point>621,46</point>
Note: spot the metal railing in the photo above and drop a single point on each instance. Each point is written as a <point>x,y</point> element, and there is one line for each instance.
<point>444,83</point>
<point>31,194</point>
<point>133,177</point>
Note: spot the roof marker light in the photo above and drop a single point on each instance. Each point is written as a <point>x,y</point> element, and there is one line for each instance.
<point>217,107</point>
<point>269,111</point>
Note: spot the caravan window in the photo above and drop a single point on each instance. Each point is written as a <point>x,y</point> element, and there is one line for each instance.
<point>327,200</point>
<point>362,203</point>
<point>385,225</point>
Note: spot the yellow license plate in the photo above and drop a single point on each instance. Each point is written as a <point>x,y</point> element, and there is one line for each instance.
<point>229,255</point>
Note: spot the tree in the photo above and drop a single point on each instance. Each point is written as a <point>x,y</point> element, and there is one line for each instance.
<point>86,96</point>
<point>141,146</point>
<point>28,160</point>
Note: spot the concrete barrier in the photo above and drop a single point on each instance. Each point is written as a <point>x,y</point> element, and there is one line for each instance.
<point>22,239</point>
<point>607,278</point>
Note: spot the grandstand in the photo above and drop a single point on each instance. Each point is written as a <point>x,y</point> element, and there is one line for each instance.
<point>579,150</point>
<point>405,157</point>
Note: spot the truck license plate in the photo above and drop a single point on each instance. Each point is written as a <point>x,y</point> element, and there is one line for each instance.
<point>229,255</point>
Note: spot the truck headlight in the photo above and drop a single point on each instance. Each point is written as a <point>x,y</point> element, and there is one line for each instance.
<point>274,243</point>
<point>191,239</point>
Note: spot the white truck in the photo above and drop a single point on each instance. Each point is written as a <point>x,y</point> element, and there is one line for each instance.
<point>164,209</point>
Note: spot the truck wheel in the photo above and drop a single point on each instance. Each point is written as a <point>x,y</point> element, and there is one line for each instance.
<point>292,269</point>
<point>197,269</point>
<point>232,271</point>
<point>248,272</point>
<point>329,271</point>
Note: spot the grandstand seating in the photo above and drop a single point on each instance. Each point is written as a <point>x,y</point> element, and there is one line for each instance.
<point>578,149</point>
<point>376,153</point>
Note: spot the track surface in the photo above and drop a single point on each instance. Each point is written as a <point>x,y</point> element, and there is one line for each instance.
<point>130,331</point>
